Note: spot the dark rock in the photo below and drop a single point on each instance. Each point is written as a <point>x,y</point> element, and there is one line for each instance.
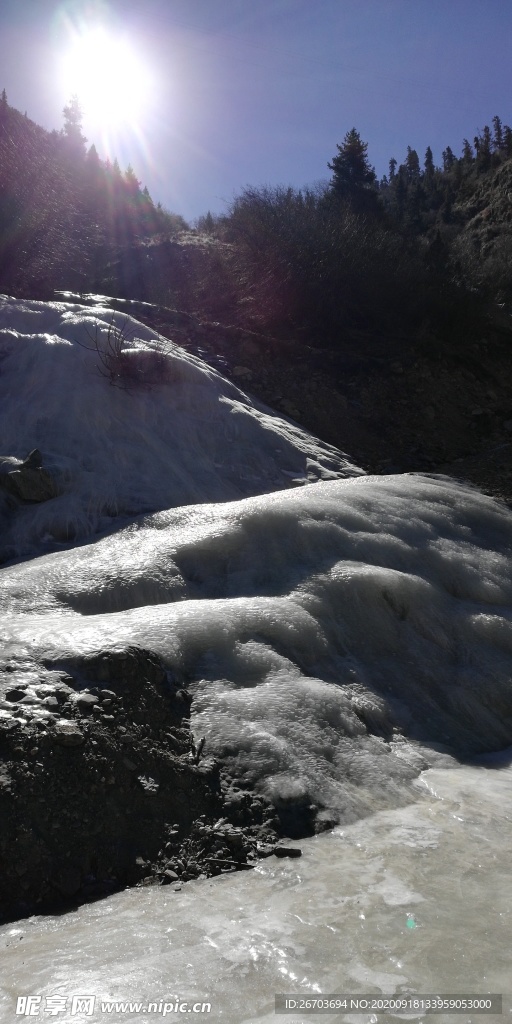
<point>170,876</point>
<point>8,724</point>
<point>265,850</point>
<point>82,800</point>
<point>34,460</point>
<point>27,480</point>
<point>68,880</point>
<point>67,734</point>
<point>234,837</point>
<point>86,701</point>
<point>15,695</point>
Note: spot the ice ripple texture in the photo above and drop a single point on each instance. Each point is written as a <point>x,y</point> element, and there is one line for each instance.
<point>337,638</point>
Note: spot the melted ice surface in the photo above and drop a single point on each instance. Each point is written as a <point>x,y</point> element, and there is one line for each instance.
<point>415,900</point>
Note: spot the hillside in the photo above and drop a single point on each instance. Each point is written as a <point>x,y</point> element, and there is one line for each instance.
<point>385,332</point>
<point>395,406</point>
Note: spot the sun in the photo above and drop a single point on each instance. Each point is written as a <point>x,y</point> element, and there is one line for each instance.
<point>108,76</point>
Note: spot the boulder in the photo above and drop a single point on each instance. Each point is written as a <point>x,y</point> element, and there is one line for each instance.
<point>27,480</point>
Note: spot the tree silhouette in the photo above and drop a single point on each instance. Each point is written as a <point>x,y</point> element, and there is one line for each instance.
<point>412,163</point>
<point>467,152</point>
<point>448,158</point>
<point>429,164</point>
<point>353,178</point>
<point>498,133</point>
<point>72,131</point>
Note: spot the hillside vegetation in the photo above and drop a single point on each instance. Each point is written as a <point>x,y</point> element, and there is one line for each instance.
<point>376,313</point>
<point>68,219</point>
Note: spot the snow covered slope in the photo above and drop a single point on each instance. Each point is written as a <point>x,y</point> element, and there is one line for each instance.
<point>171,431</point>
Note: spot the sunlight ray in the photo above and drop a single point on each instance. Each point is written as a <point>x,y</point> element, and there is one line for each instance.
<point>107,74</point>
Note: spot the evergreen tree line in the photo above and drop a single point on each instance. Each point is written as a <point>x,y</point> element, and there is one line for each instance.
<point>425,246</point>
<point>414,195</point>
<point>67,218</point>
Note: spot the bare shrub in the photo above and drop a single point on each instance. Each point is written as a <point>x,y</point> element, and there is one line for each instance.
<point>130,369</point>
<point>306,260</point>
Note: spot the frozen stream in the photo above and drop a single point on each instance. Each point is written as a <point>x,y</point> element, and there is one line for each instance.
<point>338,634</point>
<point>415,900</point>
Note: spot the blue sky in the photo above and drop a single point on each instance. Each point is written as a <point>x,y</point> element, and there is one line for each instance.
<point>261,91</point>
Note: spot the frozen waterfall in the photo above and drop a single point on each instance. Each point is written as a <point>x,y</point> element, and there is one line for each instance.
<point>339,634</point>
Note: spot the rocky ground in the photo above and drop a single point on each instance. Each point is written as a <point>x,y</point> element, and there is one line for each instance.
<point>101,786</point>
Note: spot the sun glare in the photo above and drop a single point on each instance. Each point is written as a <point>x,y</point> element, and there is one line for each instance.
<point>108,77</point>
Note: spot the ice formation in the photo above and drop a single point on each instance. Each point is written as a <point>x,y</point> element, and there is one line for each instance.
<point>337,636</point>
<point>170,431</point>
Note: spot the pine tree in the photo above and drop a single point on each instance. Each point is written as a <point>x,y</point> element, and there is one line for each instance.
<point>412,163</point>
<point>498,133</point>
<point>72,131</point>
<point>448,159</point>
<point>353,178</point>
<point>94,181</point>
<point>3,108</point>
<point>467,152</point>
<point>92,156</point>
<point>429,168</point>
<point>415,200</point>
<point>392,168</point>
<point>485,148</point>
<point>458,174</point>
<point>132,183</point>
<point>486,138</point>
<point>400,190</point>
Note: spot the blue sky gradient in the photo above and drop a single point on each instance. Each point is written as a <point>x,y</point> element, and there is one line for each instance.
<point>261,93</point>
